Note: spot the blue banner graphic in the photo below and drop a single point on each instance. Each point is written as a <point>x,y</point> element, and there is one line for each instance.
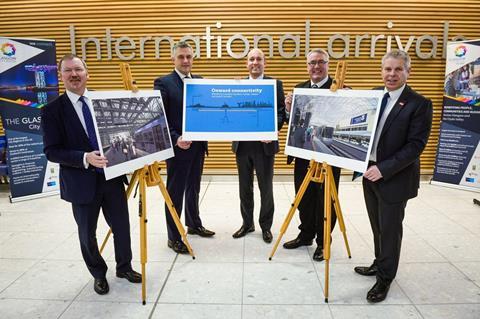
<point>28,81</point>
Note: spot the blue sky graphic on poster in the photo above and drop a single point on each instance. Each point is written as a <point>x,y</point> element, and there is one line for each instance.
<point>230,108</point>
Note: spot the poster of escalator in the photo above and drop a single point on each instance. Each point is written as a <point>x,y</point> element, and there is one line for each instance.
<point>333,127</point>
<point>132,129</point>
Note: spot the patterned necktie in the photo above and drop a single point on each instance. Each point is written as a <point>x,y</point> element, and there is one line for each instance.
<point>87,116</point>
<point>92,137</point>
<point>314,86</point>
<point>383,106</point>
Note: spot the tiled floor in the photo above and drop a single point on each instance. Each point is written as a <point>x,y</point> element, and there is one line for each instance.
<point>42,274</point>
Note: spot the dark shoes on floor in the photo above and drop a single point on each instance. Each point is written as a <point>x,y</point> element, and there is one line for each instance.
<point>100,285</point>
<point>177,246</point>
<point>366,271</point>
<point>200,231</point>
<point>378,292</point>
<point>267,236</point>
<point>318,254</point>
<point>243,231</point>
<point>131,276</point>
<point>297,242</point>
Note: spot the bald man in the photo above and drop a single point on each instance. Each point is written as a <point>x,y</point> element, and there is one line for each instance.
<point>258,156</point>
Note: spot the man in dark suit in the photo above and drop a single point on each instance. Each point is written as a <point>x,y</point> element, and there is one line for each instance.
<point>184,171</point>
<point>393,175</point>
<point>311,206</point>
<point>69,139</point>
<point>258,156</point>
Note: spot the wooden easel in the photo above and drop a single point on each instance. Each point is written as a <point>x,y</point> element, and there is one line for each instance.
<point>147,176</point>
<point>321,173</point>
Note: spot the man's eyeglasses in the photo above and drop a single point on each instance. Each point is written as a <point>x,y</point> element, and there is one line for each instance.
<point>319,62</point>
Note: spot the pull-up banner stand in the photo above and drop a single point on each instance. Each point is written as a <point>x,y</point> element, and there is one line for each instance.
<point>28,81</point>
<point>458,153</point>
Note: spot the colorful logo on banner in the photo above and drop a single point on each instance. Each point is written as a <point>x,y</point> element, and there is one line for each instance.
<point>460,51</point>
<point>8,49</point>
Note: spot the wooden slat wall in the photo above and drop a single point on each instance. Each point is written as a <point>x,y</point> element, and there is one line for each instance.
<point>51,19</point>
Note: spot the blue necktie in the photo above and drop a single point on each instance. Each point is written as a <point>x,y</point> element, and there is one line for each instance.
<point>383,105</point>
<point>92,137</point>
<point>87,116</point>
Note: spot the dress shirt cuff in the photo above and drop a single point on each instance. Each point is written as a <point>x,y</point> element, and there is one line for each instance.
<point>85,163</point>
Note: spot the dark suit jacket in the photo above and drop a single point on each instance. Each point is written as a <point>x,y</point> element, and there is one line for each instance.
<point>65,142</point>
<point>273,147</point>
<point>402,140</point>
<point>171,88</point>
<point>307,85</point>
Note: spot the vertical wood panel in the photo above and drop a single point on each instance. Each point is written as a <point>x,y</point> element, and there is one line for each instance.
<point>51,19</point>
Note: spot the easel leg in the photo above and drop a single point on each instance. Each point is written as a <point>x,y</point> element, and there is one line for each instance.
<point>338,212</point>
<point>128,192</point>
<point>143,234</point>
<point>327,228</point>
<point>173,213</point>
<point>293,208</point>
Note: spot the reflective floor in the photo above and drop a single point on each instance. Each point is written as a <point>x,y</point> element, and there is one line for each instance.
<point>42,274</point>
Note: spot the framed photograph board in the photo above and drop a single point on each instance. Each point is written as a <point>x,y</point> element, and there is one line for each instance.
<point>132,129</point>
<point>333,127</point>
<point>229,110</point>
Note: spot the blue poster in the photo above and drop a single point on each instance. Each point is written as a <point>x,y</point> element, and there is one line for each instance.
<point>28,81</point>
<point>229,110</point>
<point>457,163</point>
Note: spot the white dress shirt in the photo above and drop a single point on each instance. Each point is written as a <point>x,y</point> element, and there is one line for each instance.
<point>77,106</point>
<point>392,100</point>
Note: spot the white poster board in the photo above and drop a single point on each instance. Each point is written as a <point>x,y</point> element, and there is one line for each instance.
<point>333,127</point>
<point>132,129</point>
<point>229,110</point>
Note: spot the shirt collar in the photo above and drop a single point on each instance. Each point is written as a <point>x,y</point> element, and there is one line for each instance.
<point>321,83</point>
<point>74,97</point>
<point>259,78</point>
<point>181,75</point>
<point>394,95</point>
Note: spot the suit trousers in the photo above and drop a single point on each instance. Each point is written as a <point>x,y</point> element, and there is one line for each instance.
<point>250,156</point>
<point>386,222</point>
<point>183,179</point>
<point>311,206</point>
<point>110,197</point>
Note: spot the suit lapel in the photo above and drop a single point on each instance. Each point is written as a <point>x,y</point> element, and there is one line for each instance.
<point>178,80</point>
<point>397,108</point>
<point>70,113</point>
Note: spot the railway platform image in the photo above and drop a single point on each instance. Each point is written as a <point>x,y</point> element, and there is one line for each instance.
<point>336,127</point>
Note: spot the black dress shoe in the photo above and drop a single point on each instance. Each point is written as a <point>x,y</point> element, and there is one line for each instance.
<point>366,271</point>
<point>267,236</point>
<point>100,285</point>
<point>178,246</point>
<point>318,254</point>
<point>297,242</point>
<point>131,276</point>
<point>243,231</point>
<point>378,292</point>
<point>201,231</point>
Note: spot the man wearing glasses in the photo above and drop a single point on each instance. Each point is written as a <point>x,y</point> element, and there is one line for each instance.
<point>312,204</point>
<point>69,139</point>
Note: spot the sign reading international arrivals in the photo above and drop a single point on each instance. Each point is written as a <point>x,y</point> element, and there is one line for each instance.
<point>458,153</point>
<point>333,127</point>
<point>229,110</point>
<point>28,81</point>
